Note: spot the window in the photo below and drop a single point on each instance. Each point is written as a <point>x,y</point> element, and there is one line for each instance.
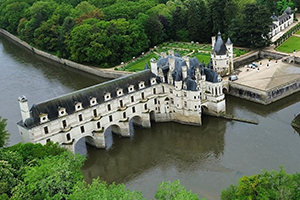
<point>133,109</point>
<point>163,89</point>
<point>80,117</point>
<point>108,107</point>
<point>172,101</point>
<point>154,90</point>
<point>124,114</point>
<point>184,94</point>
<point>171,91</point>
<point>132,98</point>
<point>64,123</point>
<point>143,95</point>
<point>185,104</point>
<point>98,125</point>
<point>95,112</point>
<point>155,101</point>
<point>82,129</point>
<point>145,106</point>
<point>110,118</point>
<point>121,103</point>
<point>48,140</point>
<point>195,97</point>
<point>46,130</point>
<point>68,136</point>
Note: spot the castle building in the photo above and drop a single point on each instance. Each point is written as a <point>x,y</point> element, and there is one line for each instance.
<point>281,22</point>
<point>175,89</point>
<point>222,55</point>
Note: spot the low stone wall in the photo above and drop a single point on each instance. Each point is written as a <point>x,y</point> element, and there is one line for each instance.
<point>246,59</point>
<point>106,73</point>
<point>256,55</point>
<point>264,97</point>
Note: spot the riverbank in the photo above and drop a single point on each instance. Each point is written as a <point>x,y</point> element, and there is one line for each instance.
<point>105,73</point>
<point>296,121</point>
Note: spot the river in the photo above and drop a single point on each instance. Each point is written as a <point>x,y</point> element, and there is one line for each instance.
<point>206,159</point>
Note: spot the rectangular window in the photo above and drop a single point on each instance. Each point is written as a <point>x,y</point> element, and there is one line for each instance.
<point>133,109</point>
<point>155,101</point>
<point>172,101</point>
<point>154,90</point>
<point>145,106</point>
<point>132,98</point>
<point>82,129</point>
<point>98,125</point>
<point>143,95</point>
<point>185,104</point>
<point>163,89</point>
<point>95,112</point>
<point>171,91</point>
<point>121,103</point>
<point>80,117</point>
<point>46,130</point>
<point>68,136</point>
<point>124,114</point>
<point>110,118</point>
<point>48,140</point>
<point>184,94</point>
<point>64,123</point>
<point>108,107</point>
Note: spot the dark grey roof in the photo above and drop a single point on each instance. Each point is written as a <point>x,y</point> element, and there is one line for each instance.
<point>274,17</point>
<point>288,11</point>
<point>67,101</point>
<point>228,41</point>
<point>146,66</point>
<point>219,47</point>
<point>211,75</point>
<point>191,84</point>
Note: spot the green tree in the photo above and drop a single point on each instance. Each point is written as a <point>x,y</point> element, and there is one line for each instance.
<point>270,185</point>
<point>101,190</point>
<point>253,29</point>
<point>197,20</point>
<point>172,191</point>
<point>4,134</point>
<point>53,178</point>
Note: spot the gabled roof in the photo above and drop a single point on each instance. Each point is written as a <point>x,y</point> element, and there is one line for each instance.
<point>219,47</point>
<point>288,11</point>
<point>98,91</point>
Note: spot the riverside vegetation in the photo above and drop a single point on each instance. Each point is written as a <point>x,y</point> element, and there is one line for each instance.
<point>34,171</point>
<point>108,32</point>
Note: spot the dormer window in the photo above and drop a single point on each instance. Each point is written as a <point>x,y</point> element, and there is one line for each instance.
<point>107,96</point>
<point>78,106</point>
<point>153,81</point>
<point>141,84</point>
<point>119,92</point>
<point>62,112</point>
<point>93,101</point>
<point>43,118</point>
<point>131,88</point>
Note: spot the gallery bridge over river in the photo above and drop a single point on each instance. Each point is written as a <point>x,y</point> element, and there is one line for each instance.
<point>94,112</point>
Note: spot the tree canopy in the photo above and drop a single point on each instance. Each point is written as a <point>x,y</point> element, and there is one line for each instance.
<point>4,134</point>
<point>106,33</point>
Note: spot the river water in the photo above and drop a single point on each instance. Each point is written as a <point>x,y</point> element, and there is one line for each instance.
<point>206,159</point>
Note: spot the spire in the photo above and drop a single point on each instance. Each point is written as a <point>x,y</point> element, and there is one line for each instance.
<point>228,41</point>
<point>146,66</point>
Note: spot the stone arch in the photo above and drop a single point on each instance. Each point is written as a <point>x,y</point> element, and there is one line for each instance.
<point>224,90</point>
<point>135,121</point>
<point>79,144</point>
<point>152,115</point>
<point>204,110</point>
<point>109,131</point>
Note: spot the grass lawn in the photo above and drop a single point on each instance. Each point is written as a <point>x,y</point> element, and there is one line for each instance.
<point>166,49</point>
<point>298,32</point>
<point>202,57</point>
<point>139,64</point>
<point>293,43</point>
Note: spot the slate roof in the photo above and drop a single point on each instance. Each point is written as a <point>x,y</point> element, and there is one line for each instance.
<point>98,91</point>
<point>219,47</point>
<point>163,63</point>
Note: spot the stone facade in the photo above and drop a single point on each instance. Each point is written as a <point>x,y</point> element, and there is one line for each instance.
<point>177,90</point>
<point>281,22</point>
<point>222,55</point>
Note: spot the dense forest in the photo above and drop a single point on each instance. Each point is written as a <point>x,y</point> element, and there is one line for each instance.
<point>107,32</point>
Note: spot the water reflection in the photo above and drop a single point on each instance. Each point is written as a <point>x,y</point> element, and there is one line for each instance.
<point>166,144</point>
